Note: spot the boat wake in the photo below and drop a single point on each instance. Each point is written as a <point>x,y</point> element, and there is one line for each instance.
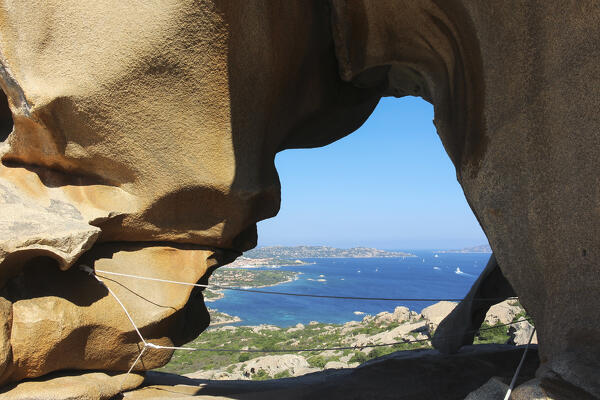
<point>459,272</point>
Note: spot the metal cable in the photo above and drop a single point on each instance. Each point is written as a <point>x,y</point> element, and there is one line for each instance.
<point>320,296</point>
<point>158,347</point>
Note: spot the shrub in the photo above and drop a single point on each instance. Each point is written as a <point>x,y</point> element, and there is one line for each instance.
<point>317,362</point>
<point>244,357</point>
<point>492,334</point>
<point>260,375</point>
<point>358,357</point>
<point>378,352</point>
<point>282,374</point>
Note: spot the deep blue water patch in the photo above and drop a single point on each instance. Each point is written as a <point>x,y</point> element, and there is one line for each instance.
<point>425,276</point>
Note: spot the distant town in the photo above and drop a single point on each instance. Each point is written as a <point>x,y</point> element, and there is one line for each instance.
<point>483,248</point>
<point>292,252</point>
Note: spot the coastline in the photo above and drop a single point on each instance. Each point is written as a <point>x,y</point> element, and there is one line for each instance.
<point>220,292</point>
<point>370,277</point>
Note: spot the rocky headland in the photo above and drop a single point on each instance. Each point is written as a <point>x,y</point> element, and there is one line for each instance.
<point>244,278</point>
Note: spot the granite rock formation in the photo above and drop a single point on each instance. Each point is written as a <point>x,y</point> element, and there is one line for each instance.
<point>404,375</point>
<point>458,328</point>
<point>133,130</point>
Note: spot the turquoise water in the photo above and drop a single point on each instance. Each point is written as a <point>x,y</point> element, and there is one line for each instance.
<point>426,276</point>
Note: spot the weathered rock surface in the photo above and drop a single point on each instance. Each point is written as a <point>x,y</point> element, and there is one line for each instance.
<point>29,229</point>
<point>459,327</point>
<point>400,314</point>
<point>503,313</point>
<point>64,386</point>
<point>521,332</point>
<point>67,319</point>
<point>494,389</point>
<point>295,365</point>
<point>548,388</point>
<point>506,81</point>
<point>397,334</point>
<point>531,390</point>
<point>436,313</point>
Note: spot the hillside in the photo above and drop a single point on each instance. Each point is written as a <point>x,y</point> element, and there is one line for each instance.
<point>294,252</point>
<point>482,248</point>
<point>402,327</point>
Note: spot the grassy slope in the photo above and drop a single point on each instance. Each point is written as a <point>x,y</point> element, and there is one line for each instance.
<point>311,336</point>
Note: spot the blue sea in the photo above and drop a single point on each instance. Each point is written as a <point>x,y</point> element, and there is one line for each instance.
<point>424,276</point>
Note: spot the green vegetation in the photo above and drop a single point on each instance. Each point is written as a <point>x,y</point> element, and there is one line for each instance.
<point>252,278</point>
<point>317,361</point>
<point>492,334</point>
<point>261,375</point>
<point>498,333</point>
<point>313,335</point>
<point>359,357</point>
<point>282,374</point>
<point>236,277</point>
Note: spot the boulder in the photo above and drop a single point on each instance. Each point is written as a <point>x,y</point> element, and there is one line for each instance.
<point>520,333</point>
<point>399,315</point>
<point>65,386</point>
<point>335,365</point>
<point>391,336</point>
<point>264,327</point>
<point>68,319</point>
<point>298,327</point>
<point>503,313</point>
<point>273,365</point>
<point>530,390</point>
<point>436,313</point>
<point>494,389</point>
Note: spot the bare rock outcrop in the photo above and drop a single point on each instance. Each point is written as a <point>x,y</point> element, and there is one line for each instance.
<point>86,386</point>
<point>494,389</point>
<point>294,365</point>
<point>436,313</point>
<point>69,320</point>
<point>521,332</point>
<point>503,313</point>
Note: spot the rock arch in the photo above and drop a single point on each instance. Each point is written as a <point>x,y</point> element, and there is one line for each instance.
<point>192,169</point>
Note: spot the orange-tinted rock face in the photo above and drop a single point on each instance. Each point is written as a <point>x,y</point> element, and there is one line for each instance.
<point>142,141</point>
<point>145,133</point>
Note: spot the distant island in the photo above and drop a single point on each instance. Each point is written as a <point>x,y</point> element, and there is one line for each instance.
<point>239,273</point>
<point>236,277</point>
<point>295,252</point>
<point>482,248</point>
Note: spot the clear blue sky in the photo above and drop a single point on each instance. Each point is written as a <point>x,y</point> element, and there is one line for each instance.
<point>388,185</point>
